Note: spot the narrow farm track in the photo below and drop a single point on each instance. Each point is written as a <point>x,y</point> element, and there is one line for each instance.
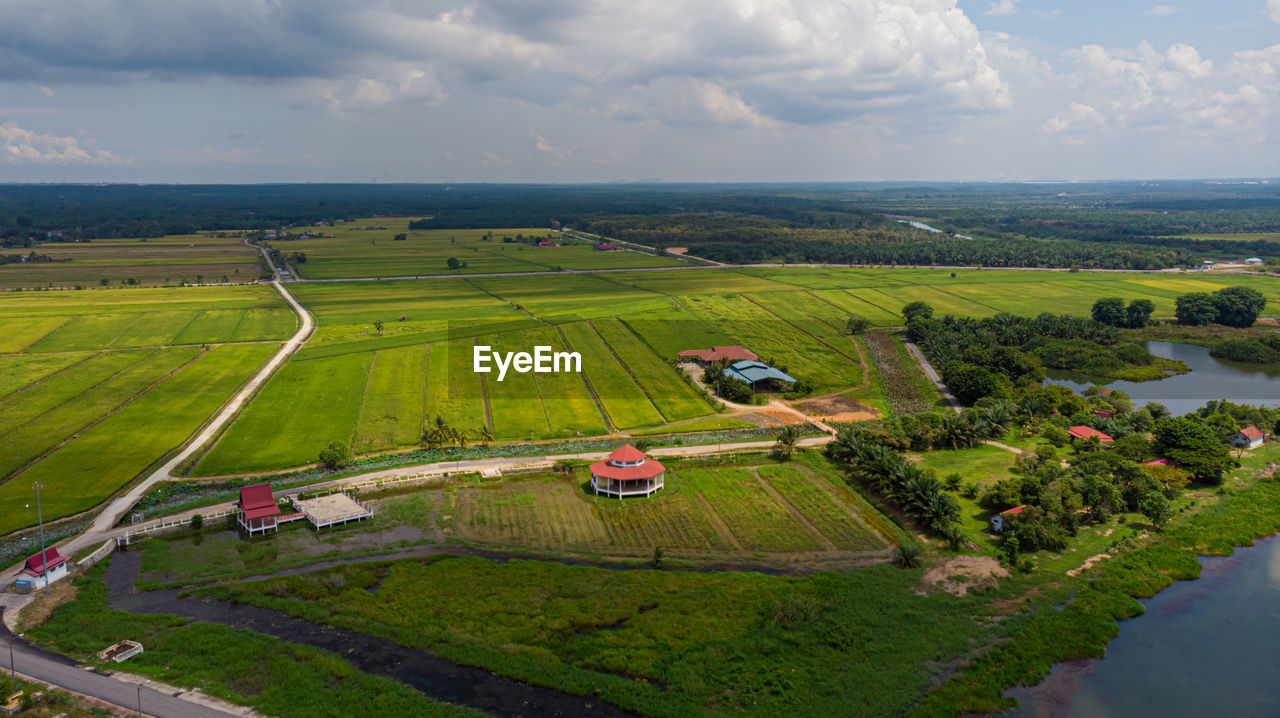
<point>933,375</point>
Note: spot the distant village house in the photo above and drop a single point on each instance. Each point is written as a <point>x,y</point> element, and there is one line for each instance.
<point>1250,437</point>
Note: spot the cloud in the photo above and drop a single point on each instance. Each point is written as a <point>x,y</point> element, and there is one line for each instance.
<point>1175,93</point>
<point>737,61</point>
<point>1162,10</point>
<point>559,153</point>
<point>1273,7</point>
<point>19,146</point>
<point>1003,7</point>
<point>493,158</point>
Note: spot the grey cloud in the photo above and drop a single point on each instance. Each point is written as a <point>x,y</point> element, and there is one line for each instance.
<point>793,61</point>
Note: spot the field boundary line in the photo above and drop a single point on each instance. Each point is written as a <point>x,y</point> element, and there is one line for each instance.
<point>962,298</point>
<point>822,539</point>
<point>146,354</point>
<point>364,395</point>
<point>801,329</point>
<point>177,334</point>
<point>43,379</point>
<point>608,422</point>
<point>66,319</point>
<point>142,316</point>
<point>627,369</point>
<point>825,485</point>
<point>718,524</point>
<point>877,305</point>
<point>121,407</point>
<point>484,391</point>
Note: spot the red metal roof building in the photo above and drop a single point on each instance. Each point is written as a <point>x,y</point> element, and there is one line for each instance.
<point>1088,432</point>
<point>607,247</point>
<point>258,509</point>
<point>46,564</point>
<point>731,353</point>
<point>627,473</point>
<point>1250,437</point>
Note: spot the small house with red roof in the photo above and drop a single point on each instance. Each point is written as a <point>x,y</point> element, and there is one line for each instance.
<point>607,247</point>
<point>44,568</point>
<point>1250,437</point>
<point>730,353</point>
<point>627,472</point>
<point>997,521</point>
<point>1084,433</point>
<point>258,509</point>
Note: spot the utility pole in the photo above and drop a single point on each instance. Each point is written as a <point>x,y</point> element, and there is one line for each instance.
<point>13,672</point>
<point>140,685</point>
<point>44,562</point>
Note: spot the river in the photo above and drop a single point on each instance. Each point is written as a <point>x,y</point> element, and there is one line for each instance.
<point>1210,378</point>
<point>1203,648</point>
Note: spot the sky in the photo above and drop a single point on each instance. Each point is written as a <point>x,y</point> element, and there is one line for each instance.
<point>636,90</point>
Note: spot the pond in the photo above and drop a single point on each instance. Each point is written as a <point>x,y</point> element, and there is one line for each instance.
<point>1203,647</point>
<point>1210,378</point>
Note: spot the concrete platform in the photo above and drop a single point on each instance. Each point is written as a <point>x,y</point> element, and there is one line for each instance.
<point>333,509</point>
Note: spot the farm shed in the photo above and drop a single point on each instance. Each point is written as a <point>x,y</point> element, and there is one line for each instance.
<point>1250,437</point>
<point>757,373</point>
<point>1084,433</point>
<point>258,509</point>
<point>627,473</point>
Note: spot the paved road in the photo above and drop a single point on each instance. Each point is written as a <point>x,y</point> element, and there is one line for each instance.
<point>62,672</point>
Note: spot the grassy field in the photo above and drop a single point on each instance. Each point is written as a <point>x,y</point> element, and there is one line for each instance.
<point>354,251</point>
<point>658,642</point>
<point>98,385</point>
<point>1238,236</point>
<point>172,259</point>
<point>763,512</point>
<point>628,327</point>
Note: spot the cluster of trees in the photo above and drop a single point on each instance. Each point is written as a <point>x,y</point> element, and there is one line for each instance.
<point>440,434</point>
<point>1231,306</point>
<point>946,429</point>
<point>1253,350</point>
<point>946,252</point>
<point>29,258</point>
<point>1113,312</point>
<point>918,492</point>
<point>995,356</point>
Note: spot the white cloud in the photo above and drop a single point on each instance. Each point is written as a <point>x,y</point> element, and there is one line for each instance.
<point>739,61</point>
<point>1003,7</point>
<point>1273,6</point>
<point>1163,10</point>
<point>21,146</point>
<point>559,153</point>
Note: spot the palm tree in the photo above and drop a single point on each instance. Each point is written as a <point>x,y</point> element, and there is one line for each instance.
<point>955,431</point>
<point>787,438</point>
<point>485,434</point>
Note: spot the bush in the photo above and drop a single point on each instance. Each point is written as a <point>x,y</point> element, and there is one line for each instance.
<point>336,455</point>
<point>907,556</point>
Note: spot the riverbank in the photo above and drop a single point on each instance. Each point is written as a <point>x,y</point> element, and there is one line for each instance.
<point>1246,509</point>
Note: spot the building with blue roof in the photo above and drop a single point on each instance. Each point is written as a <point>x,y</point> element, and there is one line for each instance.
<point>755,372</point>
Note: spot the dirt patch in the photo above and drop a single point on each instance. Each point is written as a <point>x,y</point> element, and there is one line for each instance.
<point>832,405</point>
<point>774,417</point>
<point>962,574</point>
<point>1088,564</point>
<point>677,250</point>
<point>38,611</point>
<point>1200,494</point>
